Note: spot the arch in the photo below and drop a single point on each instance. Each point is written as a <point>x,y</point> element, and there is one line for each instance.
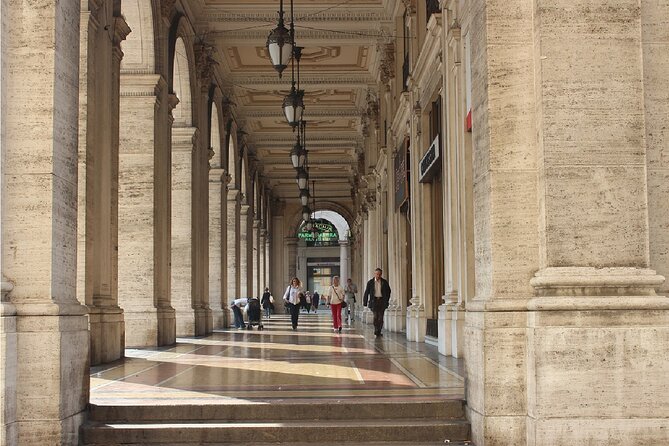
<point>139,47</point>
<point>337,220</point>
<point>335,208</point>
<point>181,85</point>
<point>215,139</point>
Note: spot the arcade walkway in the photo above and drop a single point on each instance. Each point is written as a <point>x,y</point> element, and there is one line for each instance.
<point>239,366</point>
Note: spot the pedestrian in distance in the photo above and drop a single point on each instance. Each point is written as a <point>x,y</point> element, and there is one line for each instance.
<point>315,301</point>
<point>377,298</point>
<point>335,294</point>
<point>266,302</point>
<point>292,298</point>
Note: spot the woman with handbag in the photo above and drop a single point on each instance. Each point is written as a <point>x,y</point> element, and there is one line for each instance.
<point>292,300</point>
<point>337,302</point>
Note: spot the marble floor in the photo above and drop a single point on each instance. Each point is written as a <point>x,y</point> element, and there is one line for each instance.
<point>277,363</point>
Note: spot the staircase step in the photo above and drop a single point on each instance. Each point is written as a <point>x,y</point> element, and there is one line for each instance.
<point>314,432</point>
<point>279,411</point>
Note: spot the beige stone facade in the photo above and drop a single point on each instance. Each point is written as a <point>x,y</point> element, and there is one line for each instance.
<point>506,163</point>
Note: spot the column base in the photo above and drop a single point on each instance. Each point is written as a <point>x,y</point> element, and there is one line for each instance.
<point>52,373</point>
<point>451,327</point>
<point>107,332</point>
<point>367,316</point>
<point>204,322</point>
<point>395,319</point>
<point>8,347</point>
<point>416,323</point>
<point>582,363</point>
<point>218,318</point>
<point>150,328</point>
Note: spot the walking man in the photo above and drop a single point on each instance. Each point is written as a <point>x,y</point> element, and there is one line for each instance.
<point>377,298</point>
<point>351,291</point>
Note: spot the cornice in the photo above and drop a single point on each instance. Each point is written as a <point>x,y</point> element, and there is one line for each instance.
<point>348,16</point>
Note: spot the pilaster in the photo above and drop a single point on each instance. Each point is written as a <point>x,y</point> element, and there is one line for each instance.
<point>245,242</point>
<point>184,300</point>
<point>233,252</point>
<point>144,211</point>
<point>39,225</point>
<point>217,300</point>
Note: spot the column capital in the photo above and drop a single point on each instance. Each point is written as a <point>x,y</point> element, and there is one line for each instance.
<point>217,175</point>
<point>233,195</point>
<point>244,209</point>
<point>121,30</point>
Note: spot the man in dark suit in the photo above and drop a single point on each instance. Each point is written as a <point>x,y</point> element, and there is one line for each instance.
<point>377,298</point>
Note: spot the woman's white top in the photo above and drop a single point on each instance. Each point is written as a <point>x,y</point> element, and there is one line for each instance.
<point>291,294</point>
<point>336,294</point>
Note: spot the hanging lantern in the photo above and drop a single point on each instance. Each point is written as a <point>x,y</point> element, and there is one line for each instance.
<point>304,197</point>
<point>298,155</point>
<point>306,213</point>
<point>302,178</point>
<point>293,106</point>
<point>280,44</point>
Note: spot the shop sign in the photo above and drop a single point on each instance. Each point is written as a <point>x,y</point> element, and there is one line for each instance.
<point>401,186</point>
<point>327,233</point>
<point>429,165</point>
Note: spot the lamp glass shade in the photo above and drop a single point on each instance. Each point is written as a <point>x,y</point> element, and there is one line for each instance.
<point>302,178</point>
<point>280,47</point>
<point>306,213</point>
<point>304,197</point>
<point>298,156</point>
<point>293,106</point>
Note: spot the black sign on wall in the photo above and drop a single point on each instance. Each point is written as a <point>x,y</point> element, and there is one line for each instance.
<point>401,183</point>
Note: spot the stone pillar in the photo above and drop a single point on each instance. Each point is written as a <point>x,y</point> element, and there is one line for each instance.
<point>291,252</point>
<point>184,145</point>
<point>262,273</point>
<point>50,356</point>
<point>344,261</point>
<point>369,241</point>
<point>574,354</point>
<point>255,258</point>
<point>144,210</point>
<point>217,190</point>
<point>245,286</point>
<point>268,253</point>
<point>233,245</point>
<point>451,312</point>
<point>100,61</point>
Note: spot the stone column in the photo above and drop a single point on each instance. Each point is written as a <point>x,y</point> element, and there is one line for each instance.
<point>184,144</point>
<point>344,261</point>
<point>245,286</point>
<point>233,251</point>
<point>255,258</point>
<point>217,190</point>
<point>451,312</point>
<point>291,252</point>
<point>40,80</point>
<point>144,210</point>
<point>581,345</point>
<point>367,316</point>
<point>268,253</point>
<point>100,61</point>
<point>262,273</point>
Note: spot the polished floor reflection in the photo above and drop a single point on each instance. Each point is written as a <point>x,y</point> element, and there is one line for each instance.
<point>278,363</point>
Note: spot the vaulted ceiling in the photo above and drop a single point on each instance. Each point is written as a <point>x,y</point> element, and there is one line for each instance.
<point>339,66</point>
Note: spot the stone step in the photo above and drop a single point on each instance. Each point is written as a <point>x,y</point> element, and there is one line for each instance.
<point>278,411</point>
<point>313,432</point>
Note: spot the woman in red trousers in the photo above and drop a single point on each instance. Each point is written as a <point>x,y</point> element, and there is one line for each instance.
<point>336,298</point>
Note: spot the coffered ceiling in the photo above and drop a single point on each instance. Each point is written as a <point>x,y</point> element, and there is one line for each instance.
<point>339,66</point>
